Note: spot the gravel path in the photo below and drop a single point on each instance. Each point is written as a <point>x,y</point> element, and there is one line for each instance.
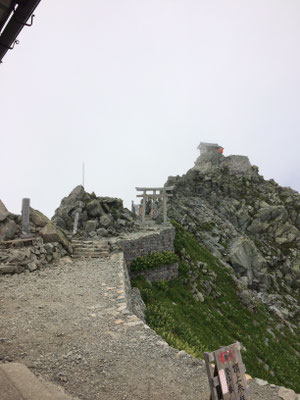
<point>70,324</point>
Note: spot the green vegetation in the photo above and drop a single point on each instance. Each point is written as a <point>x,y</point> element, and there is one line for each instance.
<point>153,260</point>
<point>206,226</point>
<point>272,349</point>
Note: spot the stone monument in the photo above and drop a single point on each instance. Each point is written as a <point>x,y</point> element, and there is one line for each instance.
<point>25,217</point>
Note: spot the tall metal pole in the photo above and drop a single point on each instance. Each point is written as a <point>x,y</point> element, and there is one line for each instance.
<point>83,174</point>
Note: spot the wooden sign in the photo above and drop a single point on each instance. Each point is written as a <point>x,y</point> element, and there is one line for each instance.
<point>227,378</point>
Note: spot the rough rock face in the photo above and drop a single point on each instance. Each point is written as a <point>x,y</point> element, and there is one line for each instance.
<point>250,223</point>
<point>9,224</point>
<point>98,216</point>
<point>3,212</point>
<point>17,260</point>
<point>40,226</point>
<point>232,164</point>
<point>49,243</point>
<point>8,229</point>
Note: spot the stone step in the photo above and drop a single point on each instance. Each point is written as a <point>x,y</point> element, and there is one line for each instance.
<point>86,243</point>
<point>93,242</point>
<point>80,249</point>
<point>85,250</point>
<point>90,244</point>
<point>90,249</point>
<point>90,255</point>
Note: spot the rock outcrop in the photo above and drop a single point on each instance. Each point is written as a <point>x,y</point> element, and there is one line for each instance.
<point>98,216</point>
<point>9,223</point>
<point>250,223</point>
<point>31,258</point>
<point>45,243</point>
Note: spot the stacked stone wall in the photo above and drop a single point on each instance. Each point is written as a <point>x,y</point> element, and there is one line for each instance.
<point>146,243</point>
<point>141,245</point>
<point>163,273</point>
<point>30,258</point>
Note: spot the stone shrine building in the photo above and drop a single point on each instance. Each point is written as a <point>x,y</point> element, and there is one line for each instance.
<point>210,148</point>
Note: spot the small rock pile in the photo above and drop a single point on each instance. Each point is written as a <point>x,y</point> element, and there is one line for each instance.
<point>40,226</point>
<point>30,258</point>
<point>47,242</point>
<point>98,216</point>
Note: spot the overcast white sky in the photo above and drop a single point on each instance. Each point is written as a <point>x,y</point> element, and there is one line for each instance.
<point>131,87</point>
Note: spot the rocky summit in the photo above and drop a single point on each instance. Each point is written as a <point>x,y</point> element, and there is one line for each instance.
<point>251,224</point>
<point>97,216</point>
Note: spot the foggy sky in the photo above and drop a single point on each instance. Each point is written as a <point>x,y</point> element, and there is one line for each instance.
<point>131,87</point>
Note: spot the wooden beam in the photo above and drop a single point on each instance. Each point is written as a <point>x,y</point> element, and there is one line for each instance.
<point>154,188</point>
<point>210,373</point>
<point>154,196</point>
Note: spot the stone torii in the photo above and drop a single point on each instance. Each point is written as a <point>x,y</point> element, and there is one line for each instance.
<point>162,194</point>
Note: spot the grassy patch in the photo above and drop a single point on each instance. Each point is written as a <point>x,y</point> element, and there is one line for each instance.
<point>153,260</point>
<point>270,347</point>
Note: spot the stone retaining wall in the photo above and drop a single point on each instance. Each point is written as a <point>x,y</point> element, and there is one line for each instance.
<point>146,243</point>
<point>141,245</point>
<point>163,273</point>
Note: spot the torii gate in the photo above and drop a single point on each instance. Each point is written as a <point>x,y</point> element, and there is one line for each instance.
<point>161,195</point>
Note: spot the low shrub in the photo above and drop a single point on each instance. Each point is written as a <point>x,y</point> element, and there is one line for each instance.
<point>153,260</point>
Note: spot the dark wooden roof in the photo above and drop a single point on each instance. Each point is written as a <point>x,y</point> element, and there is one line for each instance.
<point>14,15</point>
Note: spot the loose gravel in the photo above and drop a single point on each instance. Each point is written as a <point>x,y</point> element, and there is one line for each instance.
<point>70,324</point>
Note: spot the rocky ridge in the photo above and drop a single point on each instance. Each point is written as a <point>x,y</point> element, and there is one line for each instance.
<point>251,224</point>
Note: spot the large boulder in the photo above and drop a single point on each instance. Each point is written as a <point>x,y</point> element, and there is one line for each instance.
<point>237,165</point>
<point>105,221</point>
<point>77,194</point>
<point>270,213</point>
<point>37,218</point>
<point>8,229</point>
<point>75,202</point>
<point>287,233</point>
<point>3,212</point>
<point>94,209</point>
<point>112,202</point>
<point>245,258</point>
<point>91,225</point>
<point>51,233</point>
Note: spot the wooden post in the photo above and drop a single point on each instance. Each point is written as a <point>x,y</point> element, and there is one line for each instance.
<point>208,357</point>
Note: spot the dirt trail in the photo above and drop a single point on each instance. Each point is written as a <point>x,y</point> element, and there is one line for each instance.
<point>70,324</point>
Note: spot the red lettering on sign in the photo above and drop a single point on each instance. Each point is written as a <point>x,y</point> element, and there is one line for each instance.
<point>226,356</point>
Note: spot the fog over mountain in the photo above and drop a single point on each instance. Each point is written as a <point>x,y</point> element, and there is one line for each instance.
<point>131,87</point>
